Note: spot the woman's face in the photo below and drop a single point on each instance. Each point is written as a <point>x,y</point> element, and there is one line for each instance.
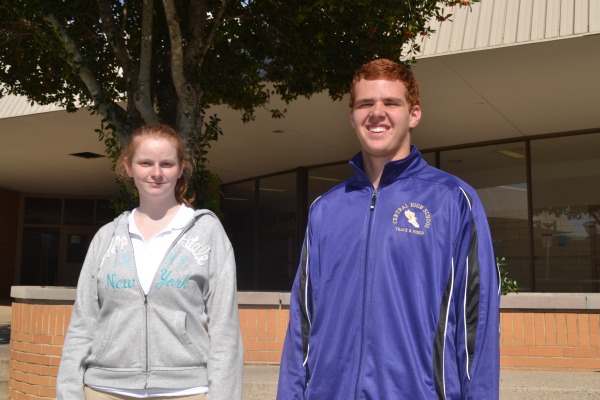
<point>155,167</point>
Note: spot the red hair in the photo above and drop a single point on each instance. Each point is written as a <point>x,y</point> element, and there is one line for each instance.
<point>390,71</point>
<point>162,132</point>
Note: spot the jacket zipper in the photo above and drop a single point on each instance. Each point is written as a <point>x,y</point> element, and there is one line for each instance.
<point>147,373</point>
<point>365,291</point>
<point>373,199</point>
<point>147,349</point>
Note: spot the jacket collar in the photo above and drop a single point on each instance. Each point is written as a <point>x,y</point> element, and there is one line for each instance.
<point>393,170</point>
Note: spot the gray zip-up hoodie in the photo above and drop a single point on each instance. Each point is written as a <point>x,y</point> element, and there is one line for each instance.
<point>184,333</point>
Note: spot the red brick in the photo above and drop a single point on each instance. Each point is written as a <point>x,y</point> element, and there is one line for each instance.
<point>506,362</point>
<point>581,352</point>
<point>251,328</point>
<point>594,330</point>
<point>271,325</point>
<point>590,364</point>
<point>261,325</point>
<point>518,330</point>
<point>543,351</point>
<point>531,362</point>
<point>255,346</point>
<point>550,328</point>
<point>539,327</point>
<point>561,329</point>
<point>283,317</point>
<point>572,331</point>
<point>528,329</point>
<point>506,329</point>
<point>514,350</point>
<point>584,330</point>
<point>564,363</point>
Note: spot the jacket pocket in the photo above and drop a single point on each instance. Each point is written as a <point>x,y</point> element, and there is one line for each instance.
<point>121,343</point>
<point>175,339</point>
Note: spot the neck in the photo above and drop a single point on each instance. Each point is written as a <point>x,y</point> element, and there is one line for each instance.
<point>157,209</point>
<point>373,168</point>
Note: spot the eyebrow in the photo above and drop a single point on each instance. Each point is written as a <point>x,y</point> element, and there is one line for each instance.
<point>371,99</point>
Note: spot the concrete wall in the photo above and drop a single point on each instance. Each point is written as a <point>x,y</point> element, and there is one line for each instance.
<point>538,332</point>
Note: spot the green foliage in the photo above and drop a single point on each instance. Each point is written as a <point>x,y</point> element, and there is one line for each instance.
<point>139,62</point>
<point>509,285</point>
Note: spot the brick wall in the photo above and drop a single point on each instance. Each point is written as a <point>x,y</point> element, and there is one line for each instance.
<point>550,341</point>
<point>263,332</point>
<point>566,338</point>
<point>36,339</point>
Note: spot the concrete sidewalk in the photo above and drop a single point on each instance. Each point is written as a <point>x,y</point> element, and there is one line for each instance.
<point>260,381</point>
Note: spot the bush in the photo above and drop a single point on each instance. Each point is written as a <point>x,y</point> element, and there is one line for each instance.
<point>509,285</point>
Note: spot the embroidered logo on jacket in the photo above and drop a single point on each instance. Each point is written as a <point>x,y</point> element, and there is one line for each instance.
<point>412,218</point>
<point>119,274</point>
<point>199,252</point>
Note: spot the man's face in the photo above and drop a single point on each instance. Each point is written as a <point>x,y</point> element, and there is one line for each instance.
<point>382,119</point>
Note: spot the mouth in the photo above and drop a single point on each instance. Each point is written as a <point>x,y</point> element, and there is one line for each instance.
<point>376,130</point>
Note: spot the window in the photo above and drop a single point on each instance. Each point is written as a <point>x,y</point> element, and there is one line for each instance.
<point>499,175</point>
<point>239,210</point>
<point>278,243</point>
<point>321,179</point>
<point>56,236</point>
<point>546,226</point>
<point>565,174</point>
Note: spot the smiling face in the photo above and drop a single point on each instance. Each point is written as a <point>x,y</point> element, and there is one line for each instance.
<point>155,167</point>
<point>383,118</point>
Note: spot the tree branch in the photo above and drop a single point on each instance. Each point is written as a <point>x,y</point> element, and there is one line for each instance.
<point>143,96</point>
<point>177,65</point>
<point>197,22</point>
<point>187,112</point>
<point>218,19</point>
<point>108,109</point>
<point>115,38</point>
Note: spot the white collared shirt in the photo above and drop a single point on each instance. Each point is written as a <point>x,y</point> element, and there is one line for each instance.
<point>149,255</point>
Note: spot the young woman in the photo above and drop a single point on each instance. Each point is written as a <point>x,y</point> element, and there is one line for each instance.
<point>156,311</point>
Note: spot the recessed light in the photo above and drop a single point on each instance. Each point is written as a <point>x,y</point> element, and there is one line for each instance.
<point>323,178</point>
<point>86,155</point>
<point>511,153</point>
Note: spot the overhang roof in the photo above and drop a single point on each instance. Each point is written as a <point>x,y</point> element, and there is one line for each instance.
<point>470,95</point>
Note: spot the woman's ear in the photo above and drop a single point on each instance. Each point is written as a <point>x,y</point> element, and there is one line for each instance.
<point>127,167</point>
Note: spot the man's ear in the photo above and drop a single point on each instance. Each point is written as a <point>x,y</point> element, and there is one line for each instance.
<point>415,116</point>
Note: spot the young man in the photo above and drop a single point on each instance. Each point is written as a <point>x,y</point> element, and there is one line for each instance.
<point>397,293</point>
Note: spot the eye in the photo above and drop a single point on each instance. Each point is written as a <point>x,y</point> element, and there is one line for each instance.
<point>167,164</point>
<point>145,163</point>
<point>364,105</point>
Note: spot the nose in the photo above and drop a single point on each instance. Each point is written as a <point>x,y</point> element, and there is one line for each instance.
<point>156,170</point>
<point>377,111</point>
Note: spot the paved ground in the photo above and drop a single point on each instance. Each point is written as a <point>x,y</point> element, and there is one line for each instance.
<point>260,381</point>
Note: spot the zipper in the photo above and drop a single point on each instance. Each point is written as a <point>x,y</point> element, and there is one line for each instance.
<point>145,296</point>
<point>147,372</point>
<point>373,199</point>
<point>365,292</point>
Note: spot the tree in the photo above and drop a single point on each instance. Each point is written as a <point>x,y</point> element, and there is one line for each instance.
<point>137,62</point>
